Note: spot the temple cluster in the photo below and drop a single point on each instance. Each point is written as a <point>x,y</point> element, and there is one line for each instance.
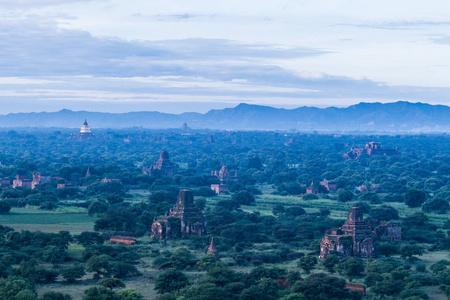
<point>371,149</point>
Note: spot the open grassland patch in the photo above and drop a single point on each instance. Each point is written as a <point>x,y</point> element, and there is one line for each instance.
<point>50,222</point>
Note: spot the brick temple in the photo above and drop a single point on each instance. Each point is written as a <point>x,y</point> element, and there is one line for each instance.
<point>184,219</point>
<point>164,165</point>
<point>357,237</point>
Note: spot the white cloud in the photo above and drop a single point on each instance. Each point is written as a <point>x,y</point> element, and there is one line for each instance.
<point>272,52</point>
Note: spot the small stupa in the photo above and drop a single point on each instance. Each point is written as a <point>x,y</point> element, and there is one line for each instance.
<point>213,250</point>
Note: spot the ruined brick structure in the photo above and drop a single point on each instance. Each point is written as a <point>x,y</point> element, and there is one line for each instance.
<point>213,250</point>
<point>167,167</point>
<point>224,174</point>
<point>389,232</point>
<point>356,287</point>
<point>371,149</point>
<point>23,181</point>
<point>219,188</point>
<point>184,219</point>
<point>331,186</point>
<point>356,237</point>
<point>312,189</point>
<point>122,240</point>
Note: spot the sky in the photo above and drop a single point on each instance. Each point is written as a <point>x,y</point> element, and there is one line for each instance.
<point>177,55</point>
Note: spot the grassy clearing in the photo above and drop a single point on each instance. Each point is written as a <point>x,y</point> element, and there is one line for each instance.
<point>47,222</point>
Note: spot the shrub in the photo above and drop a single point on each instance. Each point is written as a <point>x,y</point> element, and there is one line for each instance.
<point>310,197</point>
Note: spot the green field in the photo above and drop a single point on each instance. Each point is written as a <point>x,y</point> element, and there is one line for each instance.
<point>47,221</point>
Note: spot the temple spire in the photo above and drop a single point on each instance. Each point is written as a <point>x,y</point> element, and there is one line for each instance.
<point>213,250</point>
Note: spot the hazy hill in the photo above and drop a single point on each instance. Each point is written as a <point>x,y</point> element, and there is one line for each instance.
<point>398,116</point>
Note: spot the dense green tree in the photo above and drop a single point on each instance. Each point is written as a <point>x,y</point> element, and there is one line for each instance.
<point>111,283</point>
<point>322,287</point>
<point>121,269</point>
<point>204,291</point>
<point>387,249</point>
<point>310,197</point>
<point>53,254</point>
<point>170,281</point>
<point>114,198</point>
<point>99,293</point>
<point>11,286</point>
<point>330,262</point>
<point>437,205</point>
<point>254,292</point>
<point>87,238</point>
<point>100,264</point>
<point>370,197</point>
<point>129,294</point>
<point>182,258</point>
<point>97,208</point>
<point>206,262</point>
<point>408,251</point>
<point>351,267</point>
<point>384,213</point>
<point>243,198</point>
<point>345,196</point>
<point>71,274</point>
<point>307,263</point>
<point>415,198</point>
<point>221,275</point>
<point>4,208</point>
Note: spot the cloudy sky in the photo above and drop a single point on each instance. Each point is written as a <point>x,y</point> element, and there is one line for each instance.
<point>179,55</point>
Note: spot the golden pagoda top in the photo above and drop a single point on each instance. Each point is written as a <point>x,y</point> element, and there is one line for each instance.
<point>85,128</point>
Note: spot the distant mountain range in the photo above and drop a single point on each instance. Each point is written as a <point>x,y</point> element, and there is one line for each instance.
<point>390,117</point>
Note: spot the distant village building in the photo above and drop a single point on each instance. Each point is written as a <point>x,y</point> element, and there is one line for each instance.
<point>167,167</point>
<point>356,237</point>
<point>371,149</point>
<point>184,219</point>
<point>85,132</point>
